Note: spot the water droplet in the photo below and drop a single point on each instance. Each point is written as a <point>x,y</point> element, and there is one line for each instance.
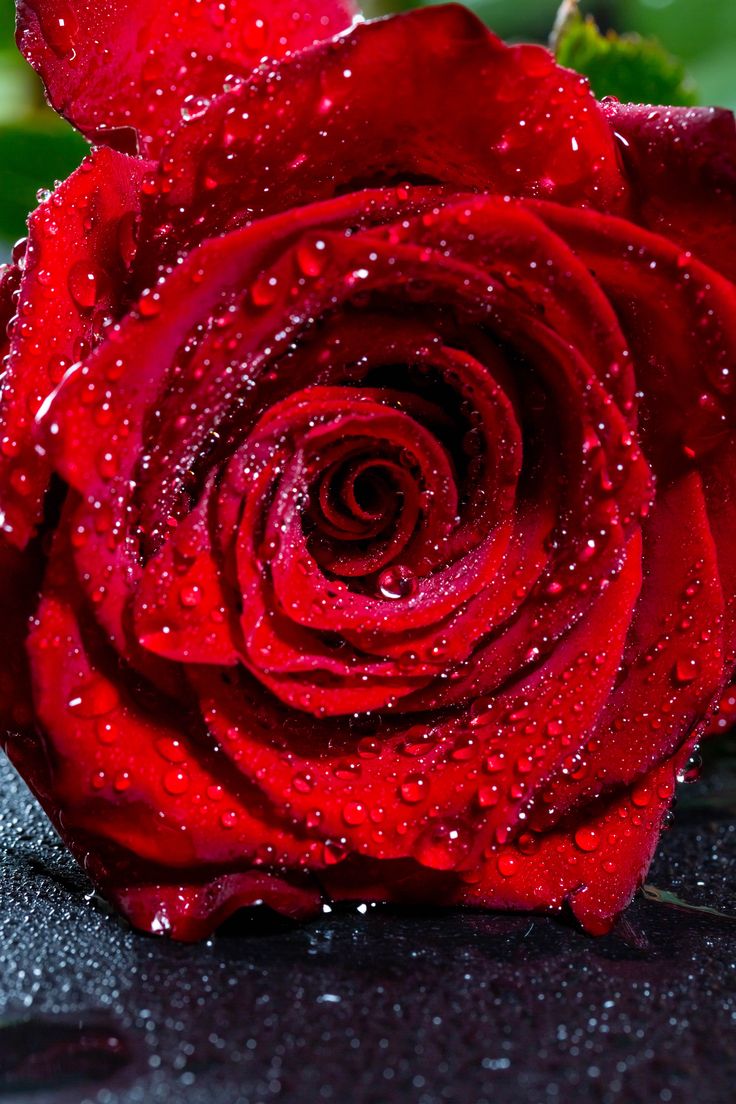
<point>488,796</point>
<point>691,771</point>
<point>495,761</point>
<point>303,783</point>
<point>685,671</point>
<point>464,749</point>
<point>263,290</point>
<point>194,107</point>
<point>18,254</point>
<point>523,764</point>
<point>397,582</point>
<point>442,846</point>
<point>414,788</point>
<point>333,852</point>
<point>507,865</point>
<point>587,839</point>
<point>354,813</point>
<point>106,731</point>
<point>128,237</point>
<point>255,36</point>
<point>176,782</point>
<point>190,596</point>
<point>528,843</point>
<point>107,463</point>
<point>368,748</point>
<point>59,26</point>
<point>82,283</point>
<point>93,699</point>
<point>149,304</point>
<point>311,256</point>
<point>170,749</point>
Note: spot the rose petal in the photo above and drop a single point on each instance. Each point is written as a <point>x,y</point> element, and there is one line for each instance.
<point>681,164</point>
<point>460,108</point>
<point>80,247</point>
<point>126,69</point>
<point>120,771</point>
<point>191,911</point>
<point>181,607</point>
<point>673,668</point>
<point>314,763</point>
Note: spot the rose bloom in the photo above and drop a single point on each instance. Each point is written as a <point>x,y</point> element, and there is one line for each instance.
<point>367,463</point>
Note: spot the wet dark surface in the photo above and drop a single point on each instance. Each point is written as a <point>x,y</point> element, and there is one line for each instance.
<point>377,1007</point>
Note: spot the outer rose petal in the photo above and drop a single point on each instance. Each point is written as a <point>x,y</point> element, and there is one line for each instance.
<point>113,65</point>
<point>681,163</point>
<point>673,666</point>
<point>81,241</point>
<point>192,911</point>
<point>670,304</point>
<point>460,108</point>
<point>594,863</point>
<point>120,779</point>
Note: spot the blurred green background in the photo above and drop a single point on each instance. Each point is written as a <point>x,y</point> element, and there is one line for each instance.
<point>36,148</point>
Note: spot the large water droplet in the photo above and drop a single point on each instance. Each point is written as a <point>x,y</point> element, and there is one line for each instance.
<point>312,256</point>
<point>414,788</point>
<point>354,813</point>
<point>443,845</point>
<point>59,26</point>
<point>193,107</point>
<point>685,670</point>
<point>93,699</point>
<point>397,582</point>
<point>82,283</point>
<point>587,839</point>
<point>176,782</point>
<point>507,865</point>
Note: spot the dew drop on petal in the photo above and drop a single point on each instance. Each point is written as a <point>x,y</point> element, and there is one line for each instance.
<point>354,813</point>
<point>312,256</point>
<point>442,846</point>
<point>506,865</point>
<point>414,788</point>
<point>93,699</point>
<point>685,671</point>
<point>190,596</point>
<point>587,839</point>
<point>397,582</point>
<point>82,283</point>
<point>176,782</point>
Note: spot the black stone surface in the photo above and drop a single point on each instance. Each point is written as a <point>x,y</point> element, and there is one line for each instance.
<point>375,1007</point>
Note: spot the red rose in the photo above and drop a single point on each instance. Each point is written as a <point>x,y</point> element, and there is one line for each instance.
<point>372,450</point>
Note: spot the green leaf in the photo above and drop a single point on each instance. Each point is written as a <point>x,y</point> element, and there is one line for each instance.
<point>666,897</point>
<point>33,155</point>
<point>635,69</point>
